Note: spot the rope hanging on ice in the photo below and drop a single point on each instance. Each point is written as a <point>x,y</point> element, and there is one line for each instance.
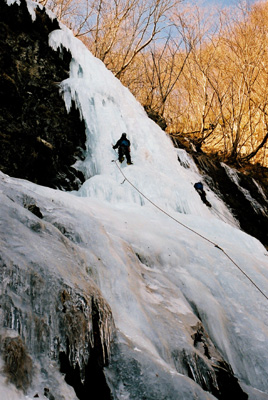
<point>190,229</point>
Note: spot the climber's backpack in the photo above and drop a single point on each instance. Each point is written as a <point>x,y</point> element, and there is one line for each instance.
<point>125,142</point>
<point>198,185</point>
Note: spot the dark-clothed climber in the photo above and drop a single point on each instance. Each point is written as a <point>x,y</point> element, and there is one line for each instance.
<point>123,145</point>
<point>200,190</point>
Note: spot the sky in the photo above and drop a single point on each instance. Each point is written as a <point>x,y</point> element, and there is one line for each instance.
<point>224,3</point>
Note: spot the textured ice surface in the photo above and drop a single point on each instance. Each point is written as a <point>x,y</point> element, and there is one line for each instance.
<point>160,279</point>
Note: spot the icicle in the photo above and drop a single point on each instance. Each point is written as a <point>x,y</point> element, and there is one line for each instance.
<point>32,7</point>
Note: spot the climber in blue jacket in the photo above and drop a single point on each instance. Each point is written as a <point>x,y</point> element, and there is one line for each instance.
<point>123,145</point>
<point>200,190</point>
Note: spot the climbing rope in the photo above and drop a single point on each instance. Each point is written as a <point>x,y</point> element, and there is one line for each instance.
<point>190,229</point>
<point>222,216</point>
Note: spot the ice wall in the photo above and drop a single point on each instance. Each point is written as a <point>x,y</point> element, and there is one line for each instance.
<point>209,282</point>
<point>109,109</point>
<point>182,310</point>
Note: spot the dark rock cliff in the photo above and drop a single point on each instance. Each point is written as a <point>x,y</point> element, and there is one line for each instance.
<point>39,140</point>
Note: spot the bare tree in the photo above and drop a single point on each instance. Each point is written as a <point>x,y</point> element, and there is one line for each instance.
<point>115,31</point>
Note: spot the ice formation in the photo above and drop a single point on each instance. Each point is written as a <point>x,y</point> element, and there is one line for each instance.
<point>155,262</point>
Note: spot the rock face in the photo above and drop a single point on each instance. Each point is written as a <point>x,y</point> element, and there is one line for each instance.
<point>39,140</point>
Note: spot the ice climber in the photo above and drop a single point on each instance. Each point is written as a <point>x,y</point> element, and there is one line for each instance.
<point>200,190</point>
<point>123,145</point>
